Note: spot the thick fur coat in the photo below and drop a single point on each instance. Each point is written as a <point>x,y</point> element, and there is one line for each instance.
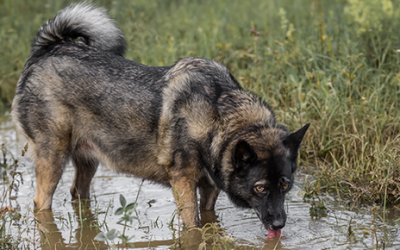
<point>185,126</point>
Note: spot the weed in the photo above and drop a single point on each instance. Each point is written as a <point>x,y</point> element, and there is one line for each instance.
<point>215,237</point>
<point>10,214</point>
<point>176,232</point>
<point>318,209</point>
<point>127,217</point>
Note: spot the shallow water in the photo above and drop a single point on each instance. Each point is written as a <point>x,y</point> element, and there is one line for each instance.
<point>338,227</point>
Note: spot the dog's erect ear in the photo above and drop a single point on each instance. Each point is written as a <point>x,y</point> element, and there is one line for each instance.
<point>244,154</point>
<point>292,142</point>
<point>294,139</point>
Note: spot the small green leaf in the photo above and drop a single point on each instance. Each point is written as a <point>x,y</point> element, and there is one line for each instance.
<point>130,207</point>
<point>119,211</point>
<point>122,200</point>
<point>112,234</point>
<point>100,237</point>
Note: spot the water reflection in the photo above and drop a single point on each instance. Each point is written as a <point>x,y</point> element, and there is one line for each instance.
<point>82,237</point>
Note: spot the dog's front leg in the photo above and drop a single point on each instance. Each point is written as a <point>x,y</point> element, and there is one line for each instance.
<point>208,194</point>
<point>184,190</point>
<point>208,197</point>
<point>184,176</point>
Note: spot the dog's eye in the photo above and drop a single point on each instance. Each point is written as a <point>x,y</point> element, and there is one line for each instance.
<point>285,185</point>
<point>260,189</point>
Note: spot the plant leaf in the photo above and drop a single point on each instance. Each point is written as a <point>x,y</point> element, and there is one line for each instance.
<point>122,200</point>
<point>119,211</point>
<point>112,234</point>
<point>100,237</point>
<point>130,207</point>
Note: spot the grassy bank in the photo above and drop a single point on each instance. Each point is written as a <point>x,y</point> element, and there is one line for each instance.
<point>331,63</point>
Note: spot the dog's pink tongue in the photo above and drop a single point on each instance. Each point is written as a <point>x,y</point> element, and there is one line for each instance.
<point>273,233</point>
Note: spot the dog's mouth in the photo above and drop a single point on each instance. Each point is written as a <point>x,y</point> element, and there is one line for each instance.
<point>273,233</point>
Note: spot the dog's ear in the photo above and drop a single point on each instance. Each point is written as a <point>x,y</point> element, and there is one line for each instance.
<point>244,154</point>
<point>293,141</point>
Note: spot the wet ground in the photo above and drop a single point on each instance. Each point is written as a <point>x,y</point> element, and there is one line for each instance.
<point>317,224</point>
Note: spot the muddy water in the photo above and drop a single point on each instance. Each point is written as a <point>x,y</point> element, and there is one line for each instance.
<point>71,226</point>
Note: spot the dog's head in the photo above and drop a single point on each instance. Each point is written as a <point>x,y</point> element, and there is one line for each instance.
<point>264,161</point>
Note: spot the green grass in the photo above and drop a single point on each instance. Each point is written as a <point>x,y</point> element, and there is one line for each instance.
<point>321,62</point>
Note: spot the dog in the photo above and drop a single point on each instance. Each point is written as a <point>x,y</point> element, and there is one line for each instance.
<point>187,126</point>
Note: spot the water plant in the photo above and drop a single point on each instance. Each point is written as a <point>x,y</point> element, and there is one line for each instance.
<point>9,211</point>
<point>127,218</point>
<point>212,236</point>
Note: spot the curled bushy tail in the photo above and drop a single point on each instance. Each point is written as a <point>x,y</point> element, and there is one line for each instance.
<point>82,20</point>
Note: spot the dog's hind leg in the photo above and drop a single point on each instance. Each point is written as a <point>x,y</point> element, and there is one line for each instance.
<point>85,168</point>
<point>49,166</point>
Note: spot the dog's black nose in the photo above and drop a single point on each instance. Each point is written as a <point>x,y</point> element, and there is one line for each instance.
<point>278,224</point>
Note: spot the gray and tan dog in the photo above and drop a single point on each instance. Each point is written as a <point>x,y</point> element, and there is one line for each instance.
<point>186,126</point>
